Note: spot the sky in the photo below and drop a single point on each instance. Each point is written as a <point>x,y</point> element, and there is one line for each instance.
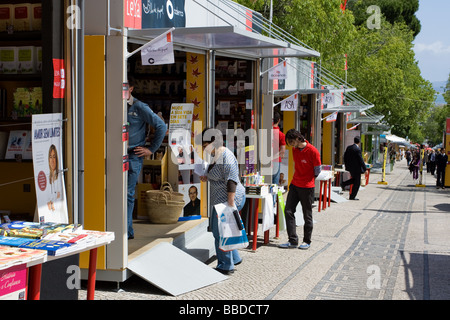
<point>432,44</point>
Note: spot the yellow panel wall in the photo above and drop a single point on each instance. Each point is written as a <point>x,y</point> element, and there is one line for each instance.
<point>327,140</point>
<point>196,94</point>
<point>94,142</point>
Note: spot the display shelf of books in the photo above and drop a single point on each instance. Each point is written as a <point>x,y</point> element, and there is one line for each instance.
<point>55,239</point>
<point>20,74</point>
<point>232,94</point>
<point>27,244</point>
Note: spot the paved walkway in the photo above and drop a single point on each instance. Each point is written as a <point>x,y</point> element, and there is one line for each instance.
<point>392,244</point>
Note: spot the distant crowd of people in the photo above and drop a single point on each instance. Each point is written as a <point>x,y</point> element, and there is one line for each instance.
<point>434,161</point>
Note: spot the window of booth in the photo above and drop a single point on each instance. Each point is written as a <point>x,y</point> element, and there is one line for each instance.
<point>31,37</point>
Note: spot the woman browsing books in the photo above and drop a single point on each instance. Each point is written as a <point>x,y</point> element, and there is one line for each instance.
<point>225,186</point>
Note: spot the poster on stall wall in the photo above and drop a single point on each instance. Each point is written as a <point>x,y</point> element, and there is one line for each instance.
<point>48,167</point>
<point>13,283</point>
<point>192,197</point>
<point>180,123</point>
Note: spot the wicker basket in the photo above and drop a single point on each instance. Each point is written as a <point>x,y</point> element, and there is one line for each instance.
<point>166,188</point>
<point>164,207</point>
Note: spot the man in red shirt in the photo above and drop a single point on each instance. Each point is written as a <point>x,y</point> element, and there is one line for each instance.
<point>307,168</point>
<point>279,143</point>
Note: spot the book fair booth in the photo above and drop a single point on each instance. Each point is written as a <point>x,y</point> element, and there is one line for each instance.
<point>227,68</point>
<point>41,234</point>
<point>218,78</point>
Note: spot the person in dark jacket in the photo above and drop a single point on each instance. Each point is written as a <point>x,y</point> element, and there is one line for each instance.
<point>354,164</point>
<point>441,164</point>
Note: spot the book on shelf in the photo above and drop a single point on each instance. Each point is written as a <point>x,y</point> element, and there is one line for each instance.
<point>12,241</point>
<point>53,248</point>
<point>81,239</point>
<point>17,143</point>
<point>34,230</point>
<point>100,236</point>
<point>10,256</point>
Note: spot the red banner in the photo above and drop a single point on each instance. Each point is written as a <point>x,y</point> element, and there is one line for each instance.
<point>133,14</point>
<point>59,79</point>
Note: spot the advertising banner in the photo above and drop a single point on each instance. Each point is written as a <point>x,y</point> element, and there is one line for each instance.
<point>163,13</point>
<point>48,167</point>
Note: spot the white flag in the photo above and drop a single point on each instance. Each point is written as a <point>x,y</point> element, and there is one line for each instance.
<point>353,128</point>
<point>159,51</point>
<point>332,117</point>
<point>279,71</point>
<point>290,103</point>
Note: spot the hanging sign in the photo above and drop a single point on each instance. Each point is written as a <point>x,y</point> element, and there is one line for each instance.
<point>290,103</point>
<point>332,117</point>
<point>159,51</point>
<point>59,79</point>
<point>163,13</point>
<point>279,71</point>
<point>48,167</point>
<point>353,128</point>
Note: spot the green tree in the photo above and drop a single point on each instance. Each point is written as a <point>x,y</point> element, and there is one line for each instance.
<point>447,91</point>
<point>320,24</point>
<point>435,124</point>
<point>382,67</point>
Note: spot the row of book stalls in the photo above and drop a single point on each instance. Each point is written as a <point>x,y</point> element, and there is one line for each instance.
<point>222,76</point>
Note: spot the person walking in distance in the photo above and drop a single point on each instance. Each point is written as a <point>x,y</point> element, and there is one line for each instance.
<point>301,189</point>
<point>354,164</point>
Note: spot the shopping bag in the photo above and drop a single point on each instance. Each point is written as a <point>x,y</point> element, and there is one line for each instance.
<point>281,219</point>
<point>268,214</point>
<point>230,235</point>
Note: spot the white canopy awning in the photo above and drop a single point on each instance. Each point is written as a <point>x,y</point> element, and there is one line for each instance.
<point>228,40</point>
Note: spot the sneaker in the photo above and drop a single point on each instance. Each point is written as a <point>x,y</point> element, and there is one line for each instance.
<point>304,246</point>
<point>287,245</point>
<point>225,272</point>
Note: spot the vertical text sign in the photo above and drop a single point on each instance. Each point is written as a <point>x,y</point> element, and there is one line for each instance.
<point>133,14</point>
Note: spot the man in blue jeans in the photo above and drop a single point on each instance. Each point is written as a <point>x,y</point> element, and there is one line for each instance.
<point>139,115</point>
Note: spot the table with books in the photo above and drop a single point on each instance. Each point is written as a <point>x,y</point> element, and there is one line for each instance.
<point>32,244</point>
<point>253,194</point>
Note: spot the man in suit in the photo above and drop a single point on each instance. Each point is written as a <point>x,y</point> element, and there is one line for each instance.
<point>354,164</point>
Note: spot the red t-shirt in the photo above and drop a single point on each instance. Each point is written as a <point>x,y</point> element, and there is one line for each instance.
<point>280,137</point>
<point>305,160</point>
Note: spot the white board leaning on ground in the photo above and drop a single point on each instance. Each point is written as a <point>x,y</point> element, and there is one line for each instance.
<point>48,167</point>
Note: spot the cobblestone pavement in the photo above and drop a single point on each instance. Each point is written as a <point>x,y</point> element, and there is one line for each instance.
<point>392,244</point>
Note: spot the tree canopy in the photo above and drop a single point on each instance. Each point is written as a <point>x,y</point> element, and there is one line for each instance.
<point>381,60</point>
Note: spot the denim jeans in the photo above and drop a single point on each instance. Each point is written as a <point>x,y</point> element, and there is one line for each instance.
<point>134,170</point>
<point>305,197</point>
<point>225,260</point>
<point>276,172</point>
